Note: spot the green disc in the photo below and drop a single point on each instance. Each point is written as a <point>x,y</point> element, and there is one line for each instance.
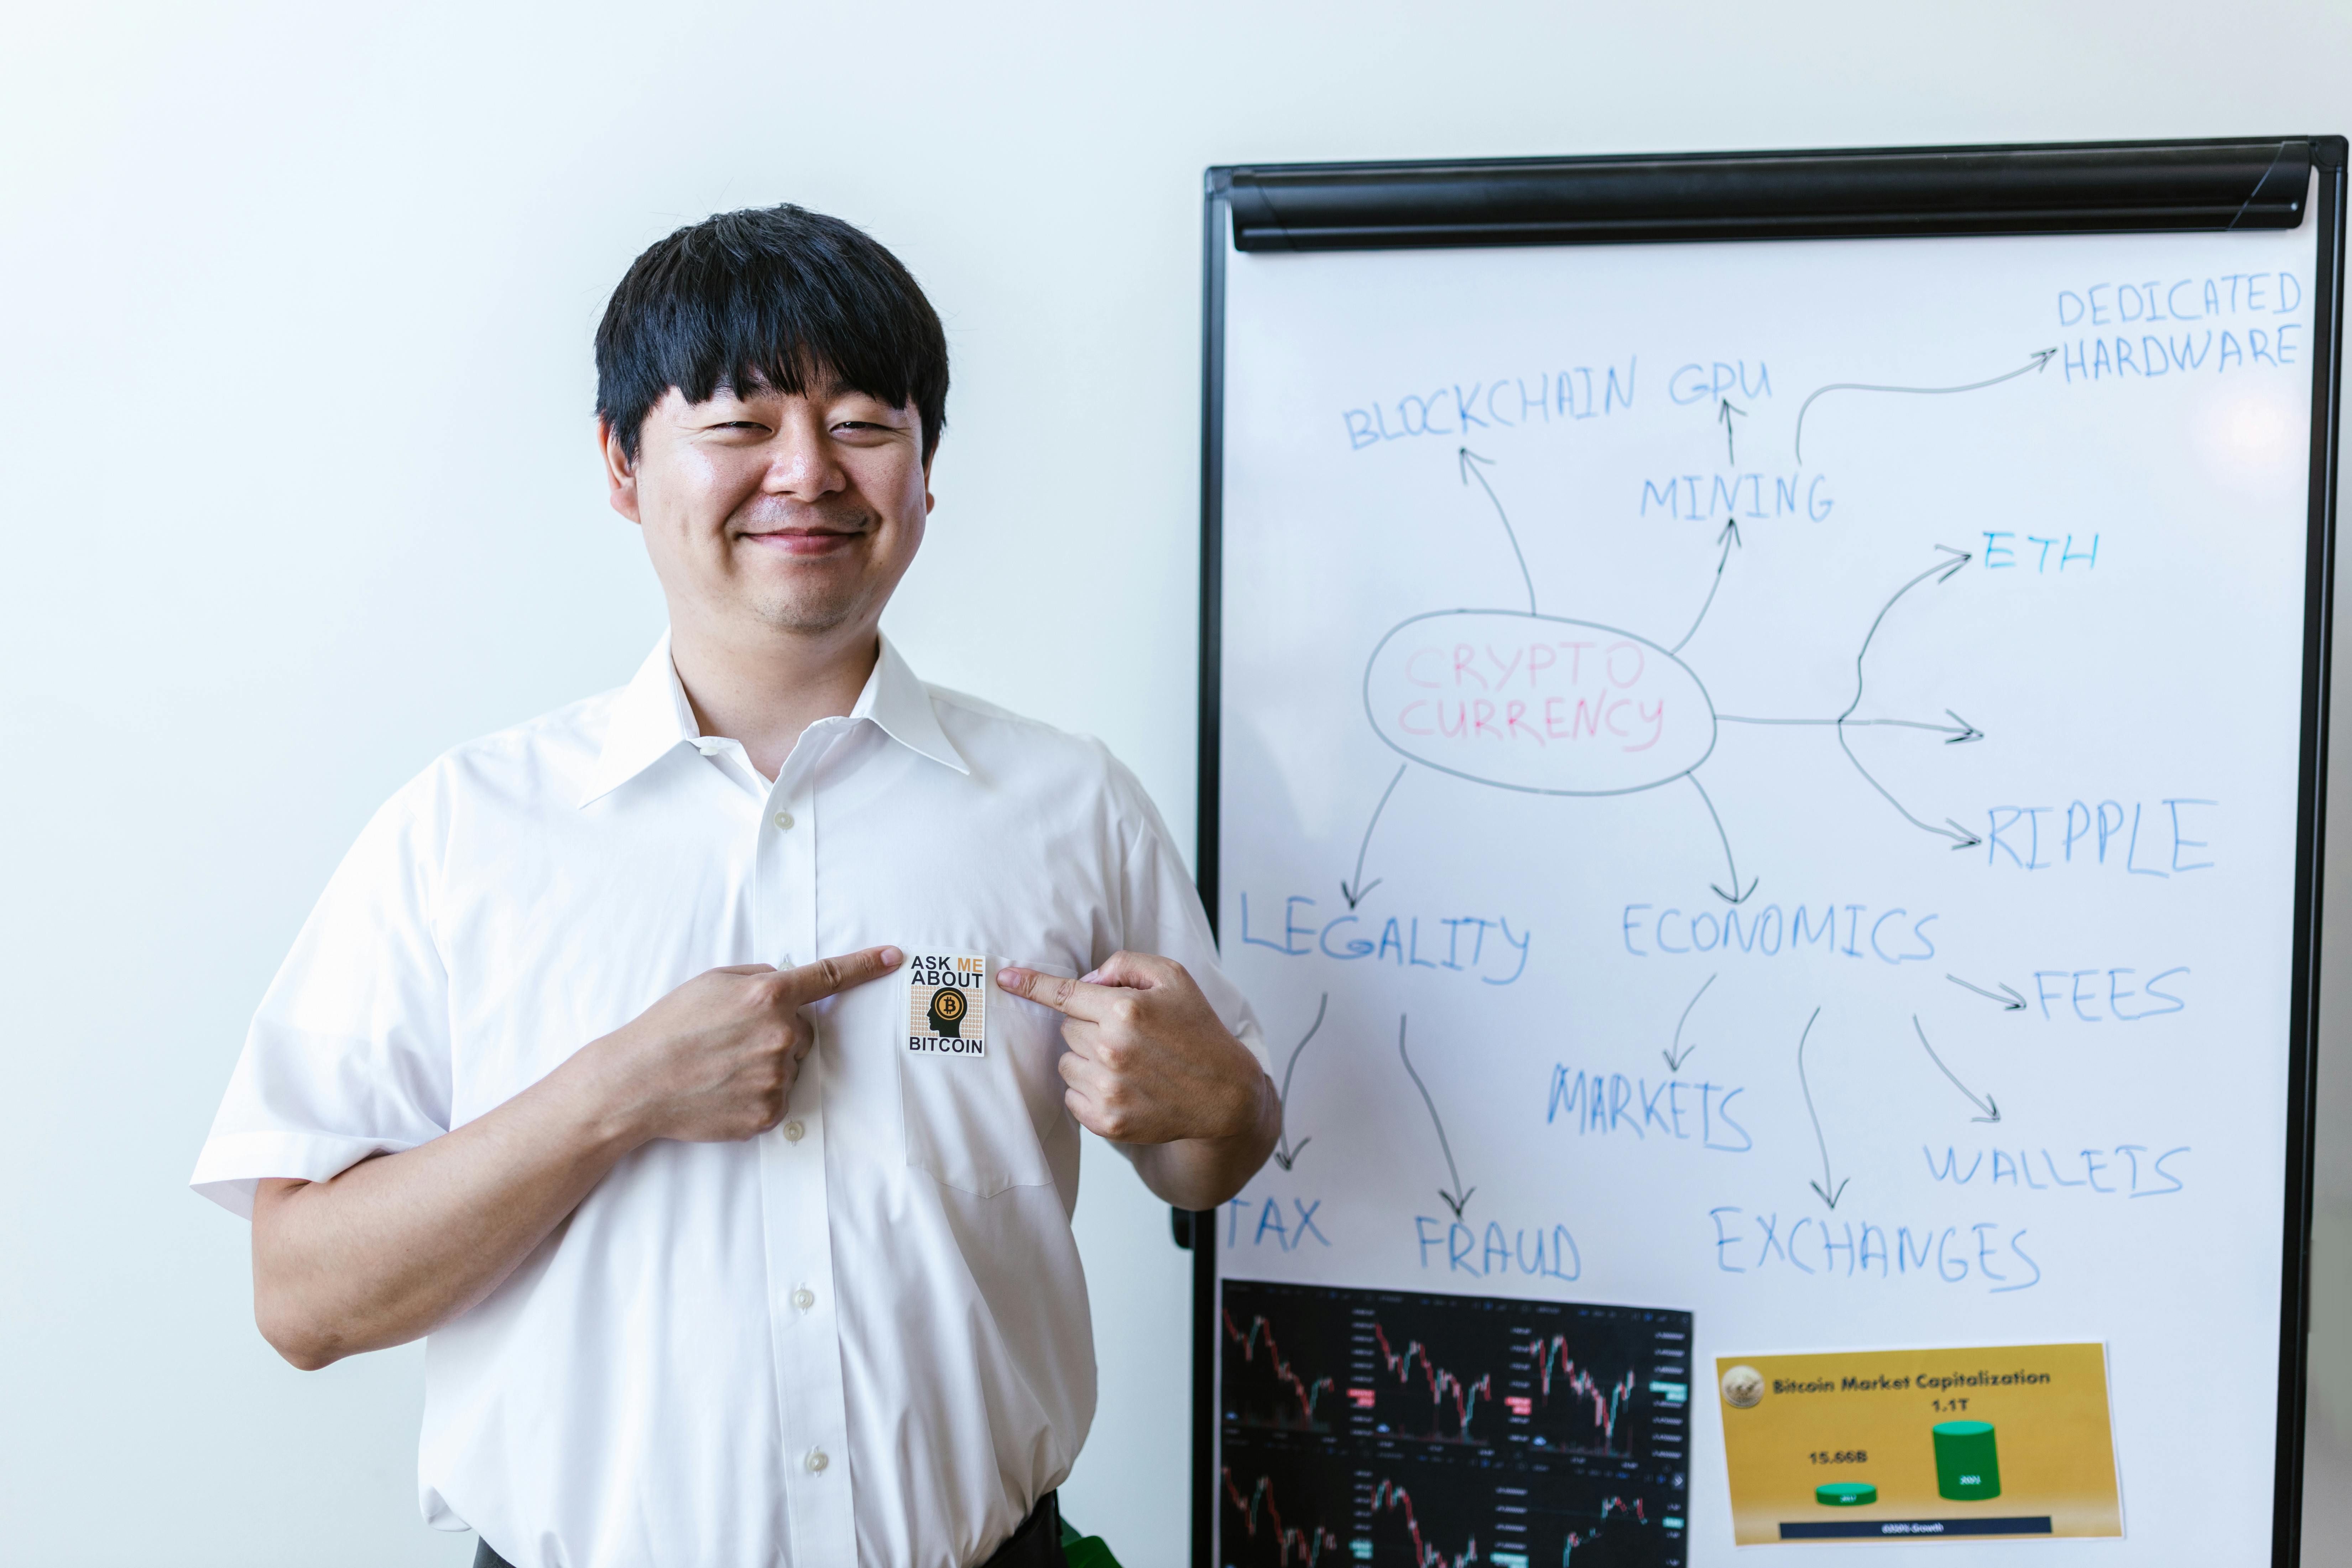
<point>1968,1468</point>
<point>1845,1494</point>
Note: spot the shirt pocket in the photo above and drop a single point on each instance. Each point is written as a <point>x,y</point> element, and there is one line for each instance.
<point>974,1117</point>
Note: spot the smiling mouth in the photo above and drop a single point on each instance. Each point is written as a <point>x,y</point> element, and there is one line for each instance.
<point>805,542</point>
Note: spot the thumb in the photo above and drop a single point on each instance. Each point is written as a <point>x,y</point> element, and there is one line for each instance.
<point>1135,971</point>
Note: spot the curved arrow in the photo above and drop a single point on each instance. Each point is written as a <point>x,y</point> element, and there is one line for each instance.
<point>1737,895</point>
<point>1942,571</point>
<point>1674,1062</point>
<point>1285,1155</point>
<point>1992,1112</point>
<point>1726,408</point>
<point>2040,361</point>
<point>1728,539</point>
<point>1829,1190</point>
<point>1355,895</point>
<point>1465,458</point>
<point>1451,1201</point>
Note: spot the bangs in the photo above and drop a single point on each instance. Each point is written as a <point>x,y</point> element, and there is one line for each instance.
<point>777,298</point>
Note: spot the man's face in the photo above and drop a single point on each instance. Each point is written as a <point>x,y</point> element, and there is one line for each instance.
<point>764,511</point>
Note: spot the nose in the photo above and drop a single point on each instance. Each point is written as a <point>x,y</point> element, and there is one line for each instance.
<point>801,465</point>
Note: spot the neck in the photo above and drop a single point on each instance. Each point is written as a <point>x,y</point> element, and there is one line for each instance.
<point>766,689</point>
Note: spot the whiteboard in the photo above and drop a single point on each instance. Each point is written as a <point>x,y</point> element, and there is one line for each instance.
<point>1763,781</point>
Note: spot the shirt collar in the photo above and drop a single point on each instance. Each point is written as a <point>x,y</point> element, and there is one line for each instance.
<point>898,702</point>
<point>651,718</point>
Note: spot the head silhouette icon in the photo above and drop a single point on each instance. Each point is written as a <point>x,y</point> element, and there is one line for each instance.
<point>947,1012</point>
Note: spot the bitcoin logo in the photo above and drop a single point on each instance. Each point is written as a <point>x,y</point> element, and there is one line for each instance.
<point>947,1012</point>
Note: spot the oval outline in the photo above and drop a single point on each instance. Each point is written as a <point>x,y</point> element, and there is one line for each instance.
<point>1715,725</point>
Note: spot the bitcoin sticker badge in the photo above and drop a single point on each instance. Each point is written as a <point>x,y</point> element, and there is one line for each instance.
<point>947,1006</point>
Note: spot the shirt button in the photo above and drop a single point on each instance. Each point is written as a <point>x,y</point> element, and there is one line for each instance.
<point>817,1462</point>
<point>803,1298</point>
<point>795,1132</point>
<point>784,820</point>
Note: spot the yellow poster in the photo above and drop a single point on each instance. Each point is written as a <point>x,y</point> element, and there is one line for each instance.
<point>2007,1441</point>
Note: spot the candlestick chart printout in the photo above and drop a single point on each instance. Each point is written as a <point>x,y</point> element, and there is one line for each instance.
<point>1760,780</point>
<point>1436,1430</point>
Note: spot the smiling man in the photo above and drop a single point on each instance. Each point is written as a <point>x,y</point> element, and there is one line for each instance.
<point>700,1067</point>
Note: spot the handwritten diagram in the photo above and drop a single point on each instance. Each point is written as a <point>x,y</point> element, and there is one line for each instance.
<point>1771,791</point>
<point>1549,705</point>
<point>1519,700</point>
<point>1536,703</point>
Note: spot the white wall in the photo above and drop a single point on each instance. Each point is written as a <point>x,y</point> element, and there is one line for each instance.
<point>294,386</point>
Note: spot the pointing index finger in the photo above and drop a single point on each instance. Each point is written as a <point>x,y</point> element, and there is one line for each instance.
<point>1071,998</point>
<point>828,975</point>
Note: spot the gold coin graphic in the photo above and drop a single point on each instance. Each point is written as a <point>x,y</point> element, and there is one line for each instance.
<point>946,1011</point>
<point>1743,1388</point>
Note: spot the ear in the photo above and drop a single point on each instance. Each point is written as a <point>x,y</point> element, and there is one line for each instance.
<point>620,473</point>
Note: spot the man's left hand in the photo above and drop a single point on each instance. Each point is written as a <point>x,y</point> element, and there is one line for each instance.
<point>1150,1061</point>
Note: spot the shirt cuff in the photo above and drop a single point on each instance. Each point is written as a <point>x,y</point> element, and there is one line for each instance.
<point>234,1165</point>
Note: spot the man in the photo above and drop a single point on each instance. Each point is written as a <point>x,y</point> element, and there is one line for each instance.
<point>700,1065</point>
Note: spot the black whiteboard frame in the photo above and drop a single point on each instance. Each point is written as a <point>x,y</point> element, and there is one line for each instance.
<point>1858,193</point>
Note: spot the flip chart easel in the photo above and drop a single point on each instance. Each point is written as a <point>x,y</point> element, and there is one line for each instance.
<point>1762,748</point>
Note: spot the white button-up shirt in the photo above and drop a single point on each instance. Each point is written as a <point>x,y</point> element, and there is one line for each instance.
<point>860,1337</point>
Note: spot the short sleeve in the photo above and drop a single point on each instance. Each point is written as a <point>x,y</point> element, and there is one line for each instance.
<point>1160,911</point>
<point>349,1056</point>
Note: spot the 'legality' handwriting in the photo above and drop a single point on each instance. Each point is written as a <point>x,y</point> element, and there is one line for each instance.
<point>1490,949</point>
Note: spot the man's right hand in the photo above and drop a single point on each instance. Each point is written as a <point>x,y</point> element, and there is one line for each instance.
<point>715,1060</point>
<point>398,1245</point>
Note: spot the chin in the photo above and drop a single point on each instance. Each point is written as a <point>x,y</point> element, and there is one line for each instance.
<point>806,613</point>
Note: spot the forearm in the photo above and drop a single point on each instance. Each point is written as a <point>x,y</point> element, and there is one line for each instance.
<point>394,1248</point>
<point>1202,1173</point>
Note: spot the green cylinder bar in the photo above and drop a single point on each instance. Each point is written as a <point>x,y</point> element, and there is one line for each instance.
<point>1966,1467</point>
<point>1845,1494</point>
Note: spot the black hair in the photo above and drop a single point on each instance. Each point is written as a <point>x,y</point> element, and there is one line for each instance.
<point>777,297</point>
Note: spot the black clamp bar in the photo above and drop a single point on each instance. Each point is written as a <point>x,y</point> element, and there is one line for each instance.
<point>2110,188</point>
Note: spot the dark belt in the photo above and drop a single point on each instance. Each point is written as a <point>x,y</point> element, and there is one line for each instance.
<point>1036,1544</point>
